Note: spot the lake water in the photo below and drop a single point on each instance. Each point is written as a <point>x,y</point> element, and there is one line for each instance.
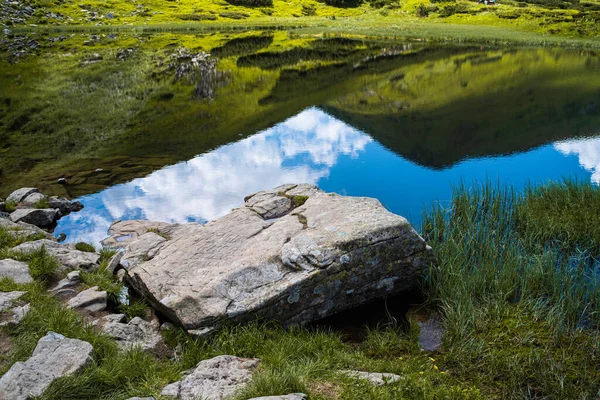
<point>156,132</point>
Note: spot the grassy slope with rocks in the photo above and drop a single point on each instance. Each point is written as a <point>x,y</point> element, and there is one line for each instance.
<point>572,18</point>
<point>520,309</point>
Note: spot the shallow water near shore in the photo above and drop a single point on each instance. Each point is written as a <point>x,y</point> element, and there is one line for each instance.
<point>153,127</point>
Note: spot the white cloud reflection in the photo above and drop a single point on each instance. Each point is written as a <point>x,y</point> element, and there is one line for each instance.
<point>587,151</point>
<point>301,149</point>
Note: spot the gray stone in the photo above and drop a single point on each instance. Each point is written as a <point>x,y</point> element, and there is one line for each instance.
<point>293,396</point>
<point>65,206</point>
<point>18,313</point>
<point>20,194</point>
<point>123,232</point>
<point>215,379</point>
<point>54,357</point>
<point>8,298</point>
<point>141,398</point>
<point>376,378</point>
<point>67,255</point>
<point>16,270</point>
<point>91,299</point>
<point>33,199</point>
<point>42,217</point>
<point>328,254</point>
<point>114,262</point>
<point>136,333</point>
<point>73,279</point>
<point>23,230</point>
<point>65,294</point>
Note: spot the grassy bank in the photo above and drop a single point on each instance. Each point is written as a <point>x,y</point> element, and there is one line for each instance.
<point>517,285</point>
<point>552,17</point>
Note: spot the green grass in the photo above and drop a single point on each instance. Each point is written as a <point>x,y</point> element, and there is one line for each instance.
<point>86,247</point>
<point>563,214</point>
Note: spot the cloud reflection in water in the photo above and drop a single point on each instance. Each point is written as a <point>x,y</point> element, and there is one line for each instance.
<point>301,149</point>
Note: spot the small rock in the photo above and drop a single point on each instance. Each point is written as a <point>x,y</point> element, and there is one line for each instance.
<point>293,396</point>
<point>41,217</point>
<point>376,378</point>
<point>23,229</point>
<point>110,15</point>
<point>33,199</point>
<point>16,270</point>
<point>65,294</point>
<point>214,379</point>
<point>91,299</point>
<point>54,357</point>
<point>114,262</point>
<point>20,194</point>
<point>68,256</point>
<point>61,237</point>
<point>7,299</point>
<point>135,333</point>
<point>73,278</point>
<point>62,181</point>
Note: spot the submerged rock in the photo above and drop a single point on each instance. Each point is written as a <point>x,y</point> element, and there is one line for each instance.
<point>16,270</point>
<point>294,254</point>
<point>54,357</point>
<point>215,379</point>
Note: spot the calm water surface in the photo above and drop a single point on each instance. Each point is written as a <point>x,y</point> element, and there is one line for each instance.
<point>317,148</point>
<point>180,127</point>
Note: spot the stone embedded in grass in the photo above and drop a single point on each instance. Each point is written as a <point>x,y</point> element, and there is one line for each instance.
<point>135,333</point>
<point>66,254</point>
<point>375,378</point>
<point>293,396</point>
<point>33,199</point>
<point>54,357</point>
<point>16,270</point>
<point>11,311</point>
<point>327,254</point>
<point>218,378</point>
<point>41,217</point>
<point>91,299</point>
<point>23,229</point>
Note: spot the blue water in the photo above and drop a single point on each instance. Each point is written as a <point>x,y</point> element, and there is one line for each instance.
<point>316,148</point>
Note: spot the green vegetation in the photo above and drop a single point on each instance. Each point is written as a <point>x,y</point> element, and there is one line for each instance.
<point>86,247</point>
<point>520,309</point>
<point>43,203</point>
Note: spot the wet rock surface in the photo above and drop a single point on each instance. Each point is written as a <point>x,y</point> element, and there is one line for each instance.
<point>323,254</point>
<point>214,379</point>
<point>55,356</point>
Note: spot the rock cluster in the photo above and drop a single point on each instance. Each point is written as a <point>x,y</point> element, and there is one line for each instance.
<point>30,206</point>
<point>294,254</point>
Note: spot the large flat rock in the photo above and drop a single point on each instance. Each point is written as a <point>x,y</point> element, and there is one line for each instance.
<point>55,356</point>
<point>16,270</point>
<point>294,254</point>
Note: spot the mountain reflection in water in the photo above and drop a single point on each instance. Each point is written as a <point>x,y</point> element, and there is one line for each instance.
<point>317,148</point>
